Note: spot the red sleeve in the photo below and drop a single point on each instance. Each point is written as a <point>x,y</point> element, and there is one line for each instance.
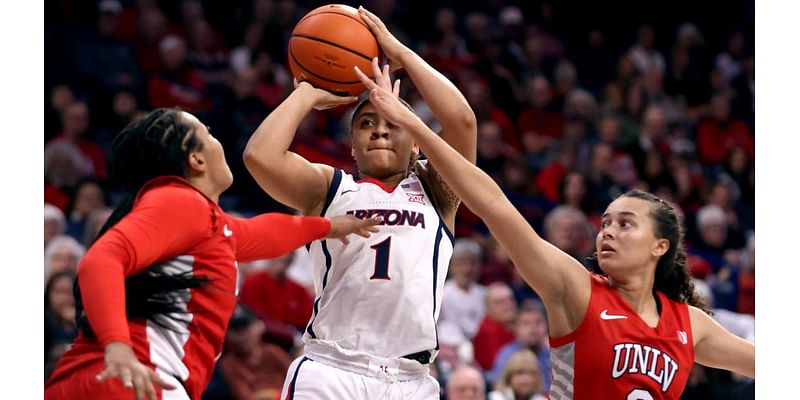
<point>272,235</point>
<point>163,224</point>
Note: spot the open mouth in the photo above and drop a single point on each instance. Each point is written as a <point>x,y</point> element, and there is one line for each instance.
<point>606,249</point>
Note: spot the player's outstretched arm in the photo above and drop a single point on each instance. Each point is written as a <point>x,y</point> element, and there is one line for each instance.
<point>717,348</point>
<point>459,126</point>
<point>562,282</point>
<point>286,176</point>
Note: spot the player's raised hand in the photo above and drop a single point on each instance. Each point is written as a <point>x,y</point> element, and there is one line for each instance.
<point>323,99</point>
<point>122,364</point>
<point>391,46</point>
<point>384,97</point>
<point>343,225</point>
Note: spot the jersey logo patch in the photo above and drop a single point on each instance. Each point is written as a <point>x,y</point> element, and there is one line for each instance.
<point>415,192</point>
<point>416,198</point>
<point>683,337</point>
<point>606,316</point>
<point>226,232</point>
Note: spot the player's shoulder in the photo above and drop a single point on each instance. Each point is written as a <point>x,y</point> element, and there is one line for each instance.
<point>173,192</point>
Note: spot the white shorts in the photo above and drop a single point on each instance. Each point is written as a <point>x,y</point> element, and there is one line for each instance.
<point>324,374</point>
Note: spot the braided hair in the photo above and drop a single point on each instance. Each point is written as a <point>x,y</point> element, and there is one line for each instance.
<point>157,145</point>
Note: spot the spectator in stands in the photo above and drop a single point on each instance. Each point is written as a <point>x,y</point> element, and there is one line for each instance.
<point>540,117</point>
<point>497,328</point>
<point>252,368</point>
<point>243,55</point>
<point>498,266</point>
<point>466,383</point>
<point>720,133</point>
<point>643,54</point>
<point>730,61</point>
<point>274,297</point>
<point>521,379</point>
<point>492,149</point>
<point>463,299</point>
<point>64,166</point>
<point>530,333</point>
<point>124,110</point>
<point>54,223</point>
<point>96,219</point>
<point>574,192</point>
<point>153,27</point>
<point>103,57</point>
<point>59,316</point>
<point>177,84</point>
<point>715,247</point>
<point>75,127</point>
<point>568,229</point>
<point>89,197</point>
<point>206,52</point>
<point>61,96</point>
<point>62,254</point>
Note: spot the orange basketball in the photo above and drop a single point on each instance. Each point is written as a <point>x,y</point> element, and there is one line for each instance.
<point>327,43</point>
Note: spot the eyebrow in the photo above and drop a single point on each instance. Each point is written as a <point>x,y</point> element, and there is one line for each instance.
<point>628,213</point>
<point>367,114</point>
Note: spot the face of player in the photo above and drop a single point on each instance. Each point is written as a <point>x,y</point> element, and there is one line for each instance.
<point>212,155</point>
<point>381,149</point>
<point>627,239</point>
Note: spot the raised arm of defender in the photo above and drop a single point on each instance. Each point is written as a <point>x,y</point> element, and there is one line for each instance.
<point>561,281</point>
<point>459,126</point>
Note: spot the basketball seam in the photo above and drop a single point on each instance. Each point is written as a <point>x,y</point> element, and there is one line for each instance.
<point>291,54</point>
<point>331,12</point>
<point>332,44</point>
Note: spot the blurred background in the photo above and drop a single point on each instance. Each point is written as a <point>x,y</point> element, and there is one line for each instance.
<point>576,103</point>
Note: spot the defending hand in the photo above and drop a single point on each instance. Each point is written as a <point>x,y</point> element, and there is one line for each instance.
<point>343,225</point>
<point>392,47</point>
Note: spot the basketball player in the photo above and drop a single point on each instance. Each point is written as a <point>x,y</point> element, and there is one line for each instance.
<point>631,332</point>
<point>372,332</point>
<point>158,286</point>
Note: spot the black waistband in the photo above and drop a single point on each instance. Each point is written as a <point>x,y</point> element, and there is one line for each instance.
<point>422,357</point>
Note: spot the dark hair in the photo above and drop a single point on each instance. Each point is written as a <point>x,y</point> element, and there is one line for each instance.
<point>157,145</point>
<point>89,180</point>
<point>586,201</point>
<point>672,274</point>
<point>413,160</point>
<point>51,281</point>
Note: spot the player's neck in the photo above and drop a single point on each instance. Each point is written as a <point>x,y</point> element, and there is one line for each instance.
<point>391,181</point>
<point>207,187</point>
<point>637,292</point>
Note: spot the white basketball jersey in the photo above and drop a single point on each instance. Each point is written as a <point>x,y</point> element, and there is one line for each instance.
<point>381,295</point>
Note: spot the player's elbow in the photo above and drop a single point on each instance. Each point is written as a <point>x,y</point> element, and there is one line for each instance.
<point>254,160</point>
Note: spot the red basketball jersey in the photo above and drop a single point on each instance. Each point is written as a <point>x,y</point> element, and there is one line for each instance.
<point>614,354</point>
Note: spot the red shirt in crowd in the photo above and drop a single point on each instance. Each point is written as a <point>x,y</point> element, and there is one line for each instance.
<point>277,299</point>
<point>715,140</point>
<point>491,337</point>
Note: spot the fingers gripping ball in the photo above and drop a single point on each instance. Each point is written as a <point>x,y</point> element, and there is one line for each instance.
<point>325,46</point>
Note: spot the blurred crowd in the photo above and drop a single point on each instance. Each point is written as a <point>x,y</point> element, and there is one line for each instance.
<point>575,104</point>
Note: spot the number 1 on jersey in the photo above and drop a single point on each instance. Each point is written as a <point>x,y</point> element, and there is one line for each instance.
<point>382,259</point>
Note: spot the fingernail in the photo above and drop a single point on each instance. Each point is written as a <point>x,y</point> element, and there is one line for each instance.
<point>377,218</point>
